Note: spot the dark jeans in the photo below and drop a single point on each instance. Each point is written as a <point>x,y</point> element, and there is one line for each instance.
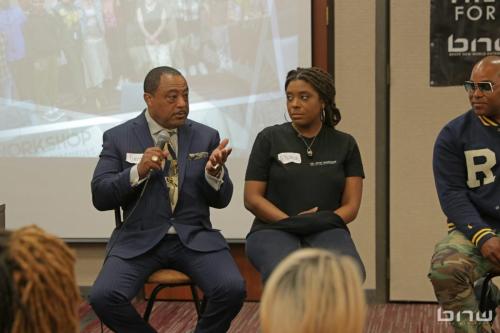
<point>267,248</point>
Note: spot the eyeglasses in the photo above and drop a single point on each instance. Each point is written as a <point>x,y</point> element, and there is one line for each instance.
<point>484,87</point>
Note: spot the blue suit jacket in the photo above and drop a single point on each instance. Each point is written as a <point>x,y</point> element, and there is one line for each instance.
<point>148,223</point>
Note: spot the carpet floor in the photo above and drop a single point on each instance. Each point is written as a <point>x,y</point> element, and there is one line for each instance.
<point>180,317</point>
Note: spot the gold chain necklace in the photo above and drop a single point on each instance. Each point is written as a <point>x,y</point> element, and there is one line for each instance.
<point>309,151</point>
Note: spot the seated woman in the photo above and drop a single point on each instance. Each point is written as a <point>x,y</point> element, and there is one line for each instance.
<point>313,290</point>
<point>304,178</point>
<point>37,283</point>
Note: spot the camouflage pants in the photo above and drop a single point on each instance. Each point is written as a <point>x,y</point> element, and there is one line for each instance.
<point>455,266</point>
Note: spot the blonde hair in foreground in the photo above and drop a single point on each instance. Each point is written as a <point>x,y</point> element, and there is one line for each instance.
<point>46,297</point>
<point>315,291</point>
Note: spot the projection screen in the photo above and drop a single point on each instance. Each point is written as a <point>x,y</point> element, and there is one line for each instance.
<point>73,69</point>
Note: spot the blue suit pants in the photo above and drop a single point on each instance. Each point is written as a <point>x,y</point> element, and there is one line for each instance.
<point>215,273</point>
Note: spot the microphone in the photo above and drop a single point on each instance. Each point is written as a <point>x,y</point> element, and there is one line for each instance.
<point>163,137</point>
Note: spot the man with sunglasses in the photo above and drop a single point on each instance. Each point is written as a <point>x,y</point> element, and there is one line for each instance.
<point>467,175</point>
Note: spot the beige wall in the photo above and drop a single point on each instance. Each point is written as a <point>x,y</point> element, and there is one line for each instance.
<point>89,259</point>
<point>355,83</point>
<point>417,113</point>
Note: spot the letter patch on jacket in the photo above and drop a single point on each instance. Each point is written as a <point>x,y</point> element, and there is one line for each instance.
<point>480,162</point>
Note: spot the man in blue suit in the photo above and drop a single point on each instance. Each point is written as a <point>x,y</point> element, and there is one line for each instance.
<point>165,195</point>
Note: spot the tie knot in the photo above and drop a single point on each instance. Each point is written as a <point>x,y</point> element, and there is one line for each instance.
<point>171,142</point>
<point>165,131</point>
<point>165,135</point>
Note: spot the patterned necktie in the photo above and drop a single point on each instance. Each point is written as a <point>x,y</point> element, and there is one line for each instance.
<point>172,177</point>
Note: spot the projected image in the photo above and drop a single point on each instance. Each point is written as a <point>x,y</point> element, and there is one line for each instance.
<point>69,69</point>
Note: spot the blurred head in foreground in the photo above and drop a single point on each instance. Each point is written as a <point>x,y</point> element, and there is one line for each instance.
<point>313,290</point>
<point>37,283</point>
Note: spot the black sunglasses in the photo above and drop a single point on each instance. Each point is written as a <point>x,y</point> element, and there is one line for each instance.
<point>484,87</point>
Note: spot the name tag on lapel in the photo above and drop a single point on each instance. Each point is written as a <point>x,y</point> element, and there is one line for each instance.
<point>133,158</point>
<point>197,156</point>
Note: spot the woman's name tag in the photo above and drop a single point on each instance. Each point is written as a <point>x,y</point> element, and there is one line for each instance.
<point>286,158</point>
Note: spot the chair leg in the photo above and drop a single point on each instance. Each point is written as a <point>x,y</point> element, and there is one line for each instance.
<point>152,298</point>
<point>196,299</point>
<point>203,304</point>
<point>484,291</point>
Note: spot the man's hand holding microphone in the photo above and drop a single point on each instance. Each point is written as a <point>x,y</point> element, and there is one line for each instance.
<point>153,157</point>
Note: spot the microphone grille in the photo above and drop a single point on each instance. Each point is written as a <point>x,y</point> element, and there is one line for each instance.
<point>163,137</point>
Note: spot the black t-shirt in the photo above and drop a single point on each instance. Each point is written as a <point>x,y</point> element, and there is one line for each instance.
<point>297,182</point>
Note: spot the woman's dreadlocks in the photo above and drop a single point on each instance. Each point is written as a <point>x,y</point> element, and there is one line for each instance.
<point>37,281</point>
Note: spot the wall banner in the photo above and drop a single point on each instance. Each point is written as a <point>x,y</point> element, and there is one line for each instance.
<point>462,32</point>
